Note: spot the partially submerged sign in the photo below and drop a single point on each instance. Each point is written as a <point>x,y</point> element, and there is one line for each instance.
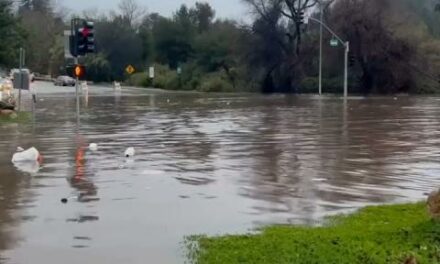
<point>130,69</point>
<point>151,72</point>
<point>21,80</point>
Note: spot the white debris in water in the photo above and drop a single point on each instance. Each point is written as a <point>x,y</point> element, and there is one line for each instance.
<point>30,154</point>
<point>93,147</point>
<point>319,180</point>
<point>130,152</point>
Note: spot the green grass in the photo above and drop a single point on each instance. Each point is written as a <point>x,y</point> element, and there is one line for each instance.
<point>381,234</point>
<point>19,117</point>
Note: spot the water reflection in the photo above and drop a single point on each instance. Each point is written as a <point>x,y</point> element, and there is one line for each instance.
<point>81,181</point>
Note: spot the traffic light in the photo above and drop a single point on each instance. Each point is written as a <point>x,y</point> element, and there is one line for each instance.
<point>352,60</point>
<point>85,38</point>
<point>82,40</point>
<point>76,71</point>
<point>300,18</point>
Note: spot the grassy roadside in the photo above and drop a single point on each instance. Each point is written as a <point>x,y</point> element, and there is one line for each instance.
<point>18,117</point>
<point>381,234</point>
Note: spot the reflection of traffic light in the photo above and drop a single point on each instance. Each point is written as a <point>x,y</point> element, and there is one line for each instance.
<point>352,60</point>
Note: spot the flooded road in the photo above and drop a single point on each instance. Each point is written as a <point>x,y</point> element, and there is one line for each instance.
<point>204,164</point>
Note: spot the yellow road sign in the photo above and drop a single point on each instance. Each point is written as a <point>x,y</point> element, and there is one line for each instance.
<point>130,69</point>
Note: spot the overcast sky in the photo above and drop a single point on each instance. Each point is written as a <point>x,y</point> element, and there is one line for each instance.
<point>224,8</point>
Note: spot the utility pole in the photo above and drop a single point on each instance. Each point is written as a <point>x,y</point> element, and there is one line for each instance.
<point>320,46</point>
<point>74,48</point>
<point>347,50</point>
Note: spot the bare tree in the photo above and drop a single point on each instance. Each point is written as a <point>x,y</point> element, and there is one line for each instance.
<point>291,10</point>
<point>132,11</point>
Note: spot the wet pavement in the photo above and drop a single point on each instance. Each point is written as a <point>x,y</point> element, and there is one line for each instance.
<point>204,164</point>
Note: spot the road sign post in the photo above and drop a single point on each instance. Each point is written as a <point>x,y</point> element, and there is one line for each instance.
<point>151,75</point>
<point>179,73</point>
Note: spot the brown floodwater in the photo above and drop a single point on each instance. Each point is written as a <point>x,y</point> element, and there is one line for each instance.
<point>204,164</point>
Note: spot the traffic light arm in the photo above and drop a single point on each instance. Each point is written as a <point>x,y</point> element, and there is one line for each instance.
<point>328,29</point>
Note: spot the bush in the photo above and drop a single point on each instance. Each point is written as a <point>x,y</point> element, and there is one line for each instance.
<point>329,85</point>
<point>191,79</point>
<point>164,78</point>
<point>138,80</point>
<point>215,82</point>
<point>309,85</point>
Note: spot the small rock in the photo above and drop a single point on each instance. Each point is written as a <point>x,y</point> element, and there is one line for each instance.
<point>410,260</point>
<point>434,204</point>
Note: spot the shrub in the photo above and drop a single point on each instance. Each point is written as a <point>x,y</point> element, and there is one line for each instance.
<point>138,80</point>
<point>215,82</point>
<point>329,85</point>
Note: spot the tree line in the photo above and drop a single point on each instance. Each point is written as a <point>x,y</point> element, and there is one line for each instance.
<point>394,45</point>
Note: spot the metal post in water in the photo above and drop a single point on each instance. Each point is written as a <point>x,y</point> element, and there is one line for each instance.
<point>320,46</point>
<point>21,55</point>
<point>77,94</point>
<point>347,50</point>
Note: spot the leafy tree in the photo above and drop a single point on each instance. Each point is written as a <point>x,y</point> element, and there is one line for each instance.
<point>219,48</point>
<point>120,42</point>
<point>203,15</point>
<point>12,35</point>
<point>173,38</point>
<point>98,68</point>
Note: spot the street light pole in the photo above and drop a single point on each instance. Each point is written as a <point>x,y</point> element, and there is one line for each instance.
<point>346,45</point>
<point>320,47</point>
<point>347,50</point>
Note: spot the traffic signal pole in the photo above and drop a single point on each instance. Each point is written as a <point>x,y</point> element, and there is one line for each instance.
<point>82,42</point>
<point>347,50</point>
<point>77,94</point>
<point>74,49</point>
<point>321,13</point>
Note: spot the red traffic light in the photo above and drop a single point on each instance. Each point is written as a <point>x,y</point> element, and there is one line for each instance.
<point>85,32</point>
